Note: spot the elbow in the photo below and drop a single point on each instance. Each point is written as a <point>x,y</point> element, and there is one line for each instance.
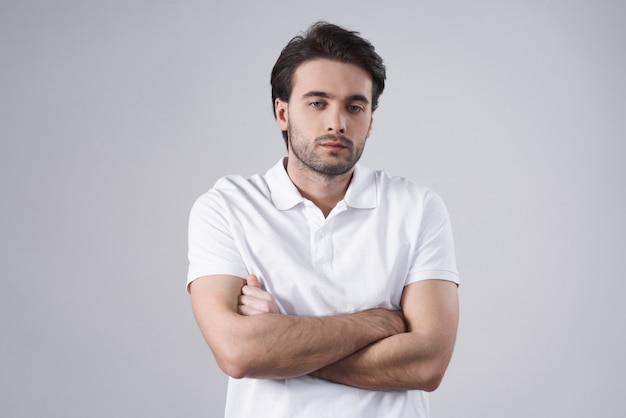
<point>239,361</point>
<point>235,363</point>
<point>232,369</point>
<point>431,382</point>
<point>427,377</point>
<point>430,370</point>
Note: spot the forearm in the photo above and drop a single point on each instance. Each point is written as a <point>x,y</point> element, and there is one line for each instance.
<point>416,359</point>
<point>284,346</point>
<point>399,362</point>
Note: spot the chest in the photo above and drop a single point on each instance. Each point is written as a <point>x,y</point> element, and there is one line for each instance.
<point>353,260</point>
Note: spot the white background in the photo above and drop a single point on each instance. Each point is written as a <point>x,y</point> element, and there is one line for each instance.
<point>116,115</point>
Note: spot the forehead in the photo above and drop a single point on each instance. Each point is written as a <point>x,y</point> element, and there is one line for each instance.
<point>333,77</point>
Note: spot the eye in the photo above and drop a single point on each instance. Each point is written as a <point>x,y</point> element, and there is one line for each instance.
<point>355,108</point>
<point>317,104</point>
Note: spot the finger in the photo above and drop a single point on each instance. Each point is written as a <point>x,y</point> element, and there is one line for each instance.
<point>261,305</point>
<point>247,310</point>
<point>259,298</point>
<point>256,292</point>
<point>252,280</point>
<point>250,311</point>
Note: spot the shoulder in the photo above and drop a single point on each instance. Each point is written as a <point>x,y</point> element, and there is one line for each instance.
<point>402,189</point>
<point>239,184</point>
<point>407,201</point>
<point>235,187</point>
<point>232,191</point>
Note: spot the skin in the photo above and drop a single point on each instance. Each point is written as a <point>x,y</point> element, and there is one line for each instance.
<point>329,119</point>
<point>415,359</point>
<point>271,345</point>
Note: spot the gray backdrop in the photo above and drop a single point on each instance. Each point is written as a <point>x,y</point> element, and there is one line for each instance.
<point>115,116</point>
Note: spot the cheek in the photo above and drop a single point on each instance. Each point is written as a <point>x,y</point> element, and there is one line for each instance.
<point>363,129</point>
<point>304,125</point>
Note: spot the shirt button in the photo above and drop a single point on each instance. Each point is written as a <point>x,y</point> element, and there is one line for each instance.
<point>322,233</point>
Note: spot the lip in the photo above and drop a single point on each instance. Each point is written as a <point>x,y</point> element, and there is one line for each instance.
<point>333,145</point>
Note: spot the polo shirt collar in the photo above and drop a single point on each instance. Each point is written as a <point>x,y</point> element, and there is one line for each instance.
<point>361,192</point>
<point>284,193</point>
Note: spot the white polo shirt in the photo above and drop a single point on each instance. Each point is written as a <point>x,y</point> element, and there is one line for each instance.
<point>386,233</point>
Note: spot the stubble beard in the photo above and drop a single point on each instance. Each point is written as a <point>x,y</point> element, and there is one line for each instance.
<point>330,166</point>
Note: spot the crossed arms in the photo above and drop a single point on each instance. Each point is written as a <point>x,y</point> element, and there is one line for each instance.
<point>375,349</point>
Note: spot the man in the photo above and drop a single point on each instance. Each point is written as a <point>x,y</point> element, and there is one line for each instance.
<point>324,288</point>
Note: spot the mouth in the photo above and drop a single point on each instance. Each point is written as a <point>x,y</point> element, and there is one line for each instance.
<point>335,143</point>
<point>334,146</point>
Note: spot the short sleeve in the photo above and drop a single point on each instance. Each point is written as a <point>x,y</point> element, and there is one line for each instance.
<point>212,248</point>
<point>434,256</point>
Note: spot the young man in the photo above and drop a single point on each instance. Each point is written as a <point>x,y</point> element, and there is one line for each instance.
<point>324,288</point>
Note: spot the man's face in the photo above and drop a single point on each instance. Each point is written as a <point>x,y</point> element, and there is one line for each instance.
<point>328,116</point>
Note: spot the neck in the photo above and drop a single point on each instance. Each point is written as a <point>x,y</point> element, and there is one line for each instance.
<point>325,191</point>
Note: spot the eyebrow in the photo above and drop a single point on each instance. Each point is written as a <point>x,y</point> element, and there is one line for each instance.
<point>317,93</point>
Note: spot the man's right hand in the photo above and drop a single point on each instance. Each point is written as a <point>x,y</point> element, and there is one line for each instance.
<point>254,300</point>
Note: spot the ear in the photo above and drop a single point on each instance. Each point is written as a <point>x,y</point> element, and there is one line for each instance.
<point>282,114</point>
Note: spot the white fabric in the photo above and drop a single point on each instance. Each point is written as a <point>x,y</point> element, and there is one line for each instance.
<point>385,234</point>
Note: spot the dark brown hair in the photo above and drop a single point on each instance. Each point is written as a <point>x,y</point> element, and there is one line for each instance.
<point>325,40</point>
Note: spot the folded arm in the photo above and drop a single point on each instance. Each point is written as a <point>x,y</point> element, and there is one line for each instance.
<point>416,359</point>
<point>279,346</point>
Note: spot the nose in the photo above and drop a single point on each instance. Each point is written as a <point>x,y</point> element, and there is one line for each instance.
<point>336,122</point>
